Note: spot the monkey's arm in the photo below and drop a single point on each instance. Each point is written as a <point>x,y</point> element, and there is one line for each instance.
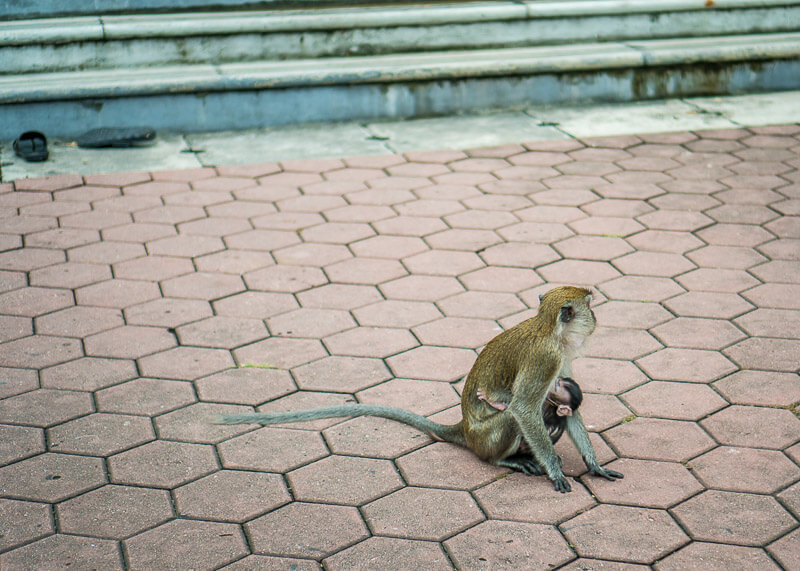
<point>530,390</point>
<point>449,433</point>
<point>577,433</point>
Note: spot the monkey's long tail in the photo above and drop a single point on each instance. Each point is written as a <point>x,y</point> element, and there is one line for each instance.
<point>448,432</point>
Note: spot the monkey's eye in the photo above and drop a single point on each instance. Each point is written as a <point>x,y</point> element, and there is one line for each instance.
<point>566,314</point>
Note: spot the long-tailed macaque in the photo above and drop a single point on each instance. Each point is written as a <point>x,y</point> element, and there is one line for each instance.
<point>519,367</point>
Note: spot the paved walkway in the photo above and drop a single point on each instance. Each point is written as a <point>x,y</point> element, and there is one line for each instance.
<point>135,305</point>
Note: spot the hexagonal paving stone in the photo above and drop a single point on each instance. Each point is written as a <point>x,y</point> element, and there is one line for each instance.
<point>733,518</point>
<point>396,313</point>
<point>421,397</point>
<point>692,365</point>
<point>341,374</point>
<point>640,288</point>
<point>339,296</point>
<point>66,551</point>
<point>771,323</point>
<point>88,374</point>
<point>717,279</point>
<point>619,343</point>
<point>679,401</point>
<point>767,354</point>
<point>145,396</point>
<point>422,513</point>
<point>162,464</point>
<point>185,363</point>
<point>487,305</point>
<point>191,423</point>
<point>18,442</point>
<point>513,544</point>
<point>309,322</point>
<point>606,375</point>
<point>100,434</point>
<point>185,543</point>
<point>79,321</point>
<point>282,353</point>
<point>129,342</point>
<point>697,333</point>
<point>432,466</point>
<point>716,556</point>
<point>153,268</point>
<point>708,304</point>
<point>646,484</point>
<point>202,285</point>
<point>306,530</point>
<point>329,480</point>
<point>732,257</point>
<point>374,438</point>
<point>457,332</point>
<point>45,407</point>
<point>69,275</point>
<point>745,469</point>
<point>785,550</point>
<point>231,495</point>
<point>624,533</point>
<point>432,363</point>
<point>631,314</point>
<point>392,552</point>
<point>763,388</point>
<point>443,263</point>
<point>30,522</point>
<point>501,279</point>
<point>167,312</point>
<point>51,477</point>
<point>245,385</point>
<point>521,498</point>
<point>117,293</point>
<point>114,512</point>
<point>421,288</point>
<point>39,351</point>
<point>378,342</point>
<point>657,439</point>
<point>222,332</point>
<point>272,449</point>
<point>781,296</point>
<point>754,426</point>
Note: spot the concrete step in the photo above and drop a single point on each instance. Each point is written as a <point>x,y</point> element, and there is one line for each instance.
<point>213,38</point>
<point>269,93</point>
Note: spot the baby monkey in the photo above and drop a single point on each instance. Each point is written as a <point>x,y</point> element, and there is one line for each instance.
<point>564,398</point>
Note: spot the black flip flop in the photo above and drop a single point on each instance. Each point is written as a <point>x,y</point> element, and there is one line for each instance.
<point>116,137</point>
<point>32,146</point>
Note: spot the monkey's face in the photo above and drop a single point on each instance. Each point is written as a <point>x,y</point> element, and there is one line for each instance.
<point>561,399</point>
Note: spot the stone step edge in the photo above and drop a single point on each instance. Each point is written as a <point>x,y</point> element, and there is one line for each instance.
<point>90,28</point>
<point>418,67</point>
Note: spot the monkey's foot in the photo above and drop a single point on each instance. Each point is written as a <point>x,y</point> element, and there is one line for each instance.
<point>522,463</point>
<point>606,473</point>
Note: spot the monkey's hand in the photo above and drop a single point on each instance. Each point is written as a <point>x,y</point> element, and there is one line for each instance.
<point>606,473</point>
<point>562,485</point>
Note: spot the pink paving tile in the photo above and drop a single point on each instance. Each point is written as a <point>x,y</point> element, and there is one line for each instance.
<point>422,513</point>
<point>523,498</point>
<point>186,542</point>
<point>88,374</point>
<point>733,518</point>
<point>20,442</point>
<point>716,556</point>
<point>679,401</point>
<point>432,466</point>
<point>340,374</point>
<point>144,396</point>
<point>499,543</point>
<point>658,439</point>
<point>114,512</point>
<point>328,480</point>
<point>418,396</point>
<point>374,438</point>
<point>51,477</point>
<point>59,549</point>
<point>762,388</point>
<point>35,521</point>
<point>640,535</point>
<point>392,552</point>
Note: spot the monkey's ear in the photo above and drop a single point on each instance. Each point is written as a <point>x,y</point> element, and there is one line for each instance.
<point>567,313</point>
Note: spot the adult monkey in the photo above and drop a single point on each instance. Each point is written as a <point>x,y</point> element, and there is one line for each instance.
<point>522,363</point>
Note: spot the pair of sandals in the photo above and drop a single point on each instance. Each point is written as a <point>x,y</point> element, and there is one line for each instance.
<point>32,145</point>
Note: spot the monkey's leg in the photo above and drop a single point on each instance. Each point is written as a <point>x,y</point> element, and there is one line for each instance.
<point>579,436</point>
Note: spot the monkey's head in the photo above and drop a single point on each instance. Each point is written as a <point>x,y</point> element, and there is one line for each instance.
<point>566,309</point>
<point>566,396</point>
